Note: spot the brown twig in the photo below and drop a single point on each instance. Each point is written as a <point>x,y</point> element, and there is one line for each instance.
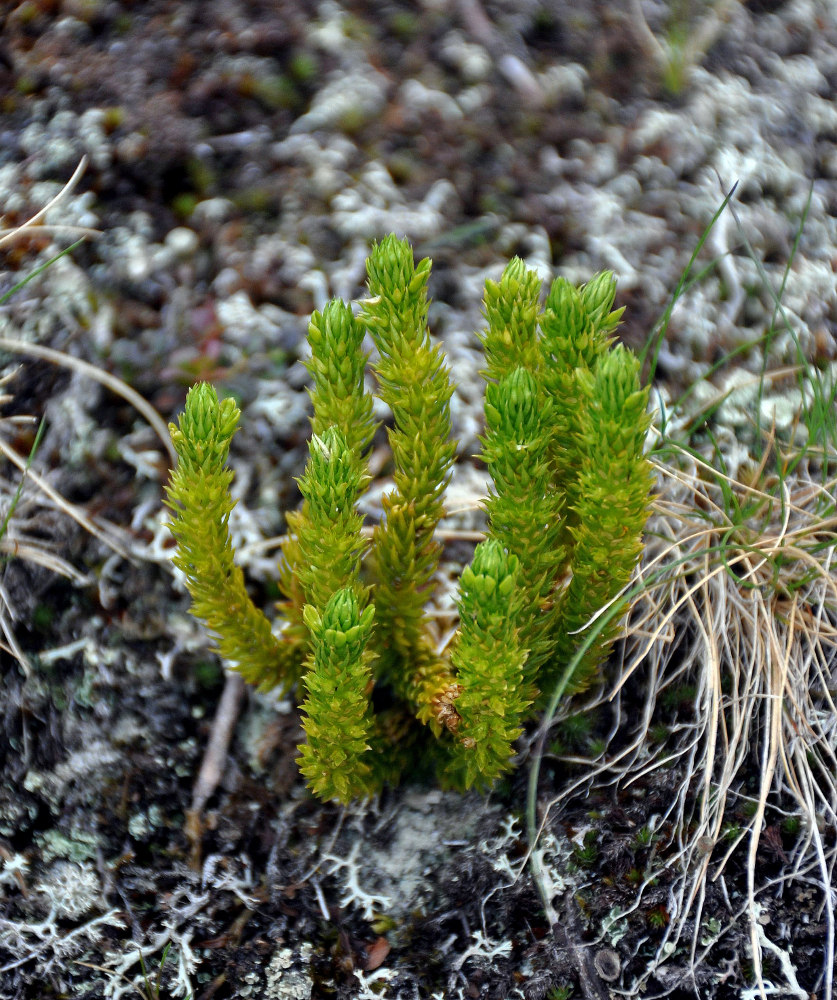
<point>212,767</point>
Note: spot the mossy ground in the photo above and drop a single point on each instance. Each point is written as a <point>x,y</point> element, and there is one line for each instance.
<point>223,225</point>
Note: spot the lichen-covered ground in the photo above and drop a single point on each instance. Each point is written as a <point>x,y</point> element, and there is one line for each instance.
<point>240,158</point>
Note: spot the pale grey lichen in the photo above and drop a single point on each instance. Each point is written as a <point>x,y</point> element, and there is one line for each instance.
<point>80,766</point>
<point>286,976</point>
<point>375,205</point>
<point>36,931</point>
<point>469,58</point>
<point>77,845</point>
<point>71,889</point>
<point>245,324</point>
<point>564,82</point>
<point>347,97</point>
<point>15,815</point>
<point>419,98</point>
<point>13,868</point>
<point>368,902</point>
<point>142,823</point>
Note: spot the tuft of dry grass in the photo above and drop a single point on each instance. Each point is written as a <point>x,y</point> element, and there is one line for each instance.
<point>736,601</point>
<point>745,610</point>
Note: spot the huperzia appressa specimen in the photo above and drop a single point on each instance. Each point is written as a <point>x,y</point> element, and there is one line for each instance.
<point>565,425</point>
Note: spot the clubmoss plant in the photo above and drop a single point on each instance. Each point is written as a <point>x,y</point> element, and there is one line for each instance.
<point>565,419</point>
